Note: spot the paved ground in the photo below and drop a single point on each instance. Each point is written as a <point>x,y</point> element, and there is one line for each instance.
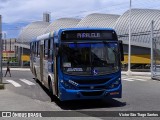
<point>23,93</point>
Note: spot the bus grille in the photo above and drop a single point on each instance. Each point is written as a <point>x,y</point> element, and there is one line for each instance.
<point>95,93</point>
<point>101,81</point>
<point>95,87</point>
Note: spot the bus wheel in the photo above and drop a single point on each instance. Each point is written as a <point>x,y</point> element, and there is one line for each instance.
<point>50,87</point>
<point>51,90</point>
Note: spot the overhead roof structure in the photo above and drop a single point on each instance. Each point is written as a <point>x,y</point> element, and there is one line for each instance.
<point>99,20</point>
<point>140,26</point>
<point>32,30</point>
<point>62,23</point>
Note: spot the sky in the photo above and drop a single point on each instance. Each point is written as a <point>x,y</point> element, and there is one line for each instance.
<point>16,14</point>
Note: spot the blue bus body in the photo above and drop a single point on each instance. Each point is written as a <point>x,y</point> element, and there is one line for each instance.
<point>85,64</point>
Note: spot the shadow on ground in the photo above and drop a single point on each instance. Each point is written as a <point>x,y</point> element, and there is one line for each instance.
<point>83,104</point>
<point>89,104</point>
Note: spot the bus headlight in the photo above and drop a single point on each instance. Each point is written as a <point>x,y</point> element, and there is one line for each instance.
<point>66,85</point>
<point>115,84</point>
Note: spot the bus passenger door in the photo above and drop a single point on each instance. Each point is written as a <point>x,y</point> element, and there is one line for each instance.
<point>31,61</point>
<point>41,61</point>
<point>31,56</point>
<point>55,76</point>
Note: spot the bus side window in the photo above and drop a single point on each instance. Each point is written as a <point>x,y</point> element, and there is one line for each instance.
<point>51,53</point>
<point>46,49</point>
<point>49,49</point>
<point>34,48</point>
<point>31,48</point>
<point>39,49</point>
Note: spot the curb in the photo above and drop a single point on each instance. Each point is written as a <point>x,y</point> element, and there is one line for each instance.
<point>147,74</point>
<point>18,69</point>
<point>1,86</point>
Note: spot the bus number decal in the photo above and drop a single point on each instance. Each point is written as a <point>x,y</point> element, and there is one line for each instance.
<point>74,69</point>
<point>66,64</point>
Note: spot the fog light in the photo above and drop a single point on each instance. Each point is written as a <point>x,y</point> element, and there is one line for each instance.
<point>66,85</point>
<point>106,93</point>
<point>114,84</point>
<point>78,94</point>
<point>114,93</point>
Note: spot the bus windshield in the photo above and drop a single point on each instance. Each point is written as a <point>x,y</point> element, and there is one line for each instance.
<point>89,58</point>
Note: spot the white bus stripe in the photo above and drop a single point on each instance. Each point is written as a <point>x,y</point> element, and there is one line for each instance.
<point>14,83</point>
<point>140,79</point>
<point>127,79</point>
<point>27,82</point>
<point>133,79</point>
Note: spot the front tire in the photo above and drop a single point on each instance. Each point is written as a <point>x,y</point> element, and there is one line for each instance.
<point>51,91</point>
<point>50,88</point>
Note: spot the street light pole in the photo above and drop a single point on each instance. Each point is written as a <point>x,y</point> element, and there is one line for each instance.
<point>129,72</point>
<point>152,28</point>
<point>1,48</point>
<point>22,51</point>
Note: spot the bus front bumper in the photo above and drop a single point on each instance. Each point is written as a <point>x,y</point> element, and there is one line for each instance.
<point>68,94</point>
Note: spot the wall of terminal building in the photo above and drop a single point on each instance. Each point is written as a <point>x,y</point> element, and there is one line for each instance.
<point>9,50</point>
<point>22,55</point>
<point>26,55</point>
<point>139,55</point>
<point>14,54</point>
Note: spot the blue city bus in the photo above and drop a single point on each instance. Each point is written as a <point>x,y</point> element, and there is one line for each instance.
<point>79,63</point>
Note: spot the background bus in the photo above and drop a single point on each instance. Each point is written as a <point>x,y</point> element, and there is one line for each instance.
<point>79,63</point>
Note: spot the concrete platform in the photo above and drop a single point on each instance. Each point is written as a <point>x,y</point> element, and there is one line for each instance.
<point>18,69</point>
<point>148,74</point>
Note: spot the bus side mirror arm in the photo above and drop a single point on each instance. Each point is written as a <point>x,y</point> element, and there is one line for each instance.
<point>121,50</point>
<point>56,51</point>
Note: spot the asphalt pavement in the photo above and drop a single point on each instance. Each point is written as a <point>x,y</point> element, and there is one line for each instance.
<point>23,93</point>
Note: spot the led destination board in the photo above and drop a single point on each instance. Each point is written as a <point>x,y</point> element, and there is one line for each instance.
<point>89,35</point>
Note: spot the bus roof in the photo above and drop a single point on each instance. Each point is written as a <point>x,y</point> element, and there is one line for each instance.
<point>44,36</point>
<point>51,34</point>
<point>70,29</point>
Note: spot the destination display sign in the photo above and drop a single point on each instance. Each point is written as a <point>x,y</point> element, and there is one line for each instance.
<point>89,35</point>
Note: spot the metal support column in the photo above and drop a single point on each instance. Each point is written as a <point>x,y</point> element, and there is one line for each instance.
<point>129,72</point>
<point>151,41</point>
<point>1,48</point>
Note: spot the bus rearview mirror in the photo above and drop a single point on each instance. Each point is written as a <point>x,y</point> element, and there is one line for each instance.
<point>121,50</point>
<point>56,51</point>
